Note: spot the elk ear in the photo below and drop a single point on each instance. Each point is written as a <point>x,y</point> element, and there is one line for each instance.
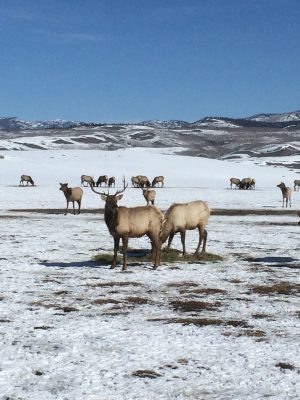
<point>103,197</point>
<point>119,197</point>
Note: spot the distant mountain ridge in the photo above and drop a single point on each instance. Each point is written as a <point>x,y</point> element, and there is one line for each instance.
<point>280,120</point>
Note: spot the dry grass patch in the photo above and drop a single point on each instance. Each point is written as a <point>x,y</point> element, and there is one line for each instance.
<point>260,316</point>
<point>106,301</point>
<point>284,365</point>
<point>207,291</point>
<point>170,256</point>
<point>201,322</point>
<point>252,333</point>
<point>105,284</point>
<point>146,373</point>
<point>285,288</point>
<point>193,305</point>
<point>137,300</point>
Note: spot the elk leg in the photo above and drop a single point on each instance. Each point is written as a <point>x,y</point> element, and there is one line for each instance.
<point>79,205</point>
<point>170,240</point>
<point>204,241</point>
<point>125,248</point>
<point>116,249</point>
<point>73,207</point>
<point>202,237</point>
<point>182,234</point>
<point>67,208</point>
<point>155,251</point>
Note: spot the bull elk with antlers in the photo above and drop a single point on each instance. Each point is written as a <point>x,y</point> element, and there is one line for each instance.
<point>124,223</point>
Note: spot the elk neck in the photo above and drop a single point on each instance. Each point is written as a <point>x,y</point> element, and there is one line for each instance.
<point>111,215</point>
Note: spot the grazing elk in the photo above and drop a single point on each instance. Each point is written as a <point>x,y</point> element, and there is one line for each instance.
<point>112,181</point>
<point>187,216</point>
<point>87,179</point>
<point>135,180</point>
<point>252,183</point>
<point>26,178</point>
<point>296,183</point>
<point>144,182</point>
<point>286,194</point>
<point>124,223</point>
<point>247,183</point>
<point>234,181</point>
<point>102,179</point>
<point>72,194</point>
<point>149,196</point>
<point>158,179</point>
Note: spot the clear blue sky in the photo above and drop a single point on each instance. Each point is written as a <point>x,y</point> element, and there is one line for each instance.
<point>132,60</point>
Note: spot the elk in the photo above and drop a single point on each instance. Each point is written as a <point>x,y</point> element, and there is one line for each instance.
<point>149,196</point>
<point>102,178</point>
<point>26,178</point>
<point>87,179</point>
<point>286,194</point>
<point>252,183</point>
<point>246,183</point>
<point>135,180</point>
<point>234,181</point>
<point>112,181</point>
<point>186,216</point>
<point>144,182</point>
<point>124,223</point>
<point>72,194</point>
<point>296,183</point>
<point>157,180</point>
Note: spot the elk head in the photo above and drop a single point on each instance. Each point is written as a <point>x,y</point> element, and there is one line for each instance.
<point>111,199</point>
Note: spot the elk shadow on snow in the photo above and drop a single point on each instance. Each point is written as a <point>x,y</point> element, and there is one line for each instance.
<point>72,264</point>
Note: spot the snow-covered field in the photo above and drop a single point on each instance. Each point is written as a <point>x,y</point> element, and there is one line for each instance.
<point>72,329</point>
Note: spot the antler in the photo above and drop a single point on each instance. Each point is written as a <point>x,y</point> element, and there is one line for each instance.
<point>101,193</point>
<point>124,187</point>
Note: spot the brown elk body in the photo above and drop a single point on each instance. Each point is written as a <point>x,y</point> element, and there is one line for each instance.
<point>187,216</point>
<point>296,184</point>
<point>149,196</point>
<point>87,179</point>
<point>27,179</point>
<point>135,180</point>
<point>158,179</point>
<point>72,194</point>
<point>234,181</point>
<point>102,179</point>
<point>112,181</point>
<point>124,223</point>
<point>286,194</point>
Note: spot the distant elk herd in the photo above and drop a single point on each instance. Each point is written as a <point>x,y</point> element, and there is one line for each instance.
<point>132,222</point>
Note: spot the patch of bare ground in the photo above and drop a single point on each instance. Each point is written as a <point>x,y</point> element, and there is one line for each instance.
<point>105,284</point>
<point>146,373</point>
<point>138,256</point>
<point>4,321</point>
<point>205,291</point>
<point>285,288</point>
<point>284,365</point>
<point>201,322</point>
<point>246,332</point>
<point>185,284</point>
<point>43,327</point>
<point>260,316</point>
<point>106,301</point>
<point>194,306</point>
<point>137,300</point>
<point>65,309</point>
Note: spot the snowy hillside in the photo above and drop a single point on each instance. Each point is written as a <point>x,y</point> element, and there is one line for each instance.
<point>71,328</point>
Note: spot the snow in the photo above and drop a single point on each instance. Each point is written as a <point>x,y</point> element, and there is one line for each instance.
<point>93,351</point>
